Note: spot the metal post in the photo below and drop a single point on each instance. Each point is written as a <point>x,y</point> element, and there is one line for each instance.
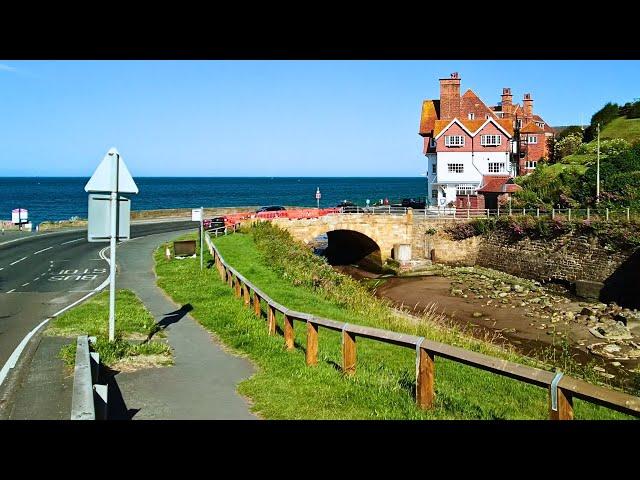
<point>509,208</point>
<point>627,214</point>
<point>569,214</point>
<point>524,211</point>
<point>588,216</point>
<point>112,250</point>
<point>201,234</point>
<point>537,212</point>
<point>607,214</point>
<point>598,169</point>
<point>553,213</point>
<point>467,213</point>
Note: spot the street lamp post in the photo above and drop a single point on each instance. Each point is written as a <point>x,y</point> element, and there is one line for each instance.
<point>318,195</point>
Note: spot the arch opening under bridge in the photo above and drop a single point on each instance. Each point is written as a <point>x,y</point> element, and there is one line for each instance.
<point>350,247</point>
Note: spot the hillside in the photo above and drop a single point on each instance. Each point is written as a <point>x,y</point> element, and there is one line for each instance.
<point>621,127</point>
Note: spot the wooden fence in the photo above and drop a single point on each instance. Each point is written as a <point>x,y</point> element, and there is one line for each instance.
<point>561,388</point>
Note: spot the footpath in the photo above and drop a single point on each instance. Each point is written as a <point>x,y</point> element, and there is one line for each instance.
<point>200,385</point>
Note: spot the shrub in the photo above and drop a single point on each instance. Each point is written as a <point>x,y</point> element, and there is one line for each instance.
<point>461,231</point>
<point>567,146</point>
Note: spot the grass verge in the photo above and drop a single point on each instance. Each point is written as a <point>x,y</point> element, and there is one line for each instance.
<point>135,327</point>
<point>384,385</point>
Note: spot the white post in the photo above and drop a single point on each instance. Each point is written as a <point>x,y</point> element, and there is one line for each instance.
<point>588,213</point>
<point>553,213</point>
<point>112,249</point>
<point>201,234</point>
<point>569,214</point>
<point>524,211</point>
<point>537,212</point>
<point>627,214</point>
<point>607,214</point>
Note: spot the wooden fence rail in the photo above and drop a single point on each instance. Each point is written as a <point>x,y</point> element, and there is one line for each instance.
<point>561,388</point>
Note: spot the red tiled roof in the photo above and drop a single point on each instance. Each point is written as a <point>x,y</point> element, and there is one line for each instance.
<point>497,184</point>
<point>430,113</point>
<point>531,127</point>
<point>471,103</point>
<point>472,125</point>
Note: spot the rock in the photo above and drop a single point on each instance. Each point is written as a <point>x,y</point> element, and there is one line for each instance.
<point>616,364</point>
<point>506,289</point>
<point>502,294</point>
<point>476,314</point>
<point>518,288</point>
<point>569,315</point>
<point>621,317</point>
<point>456,291</point>
<point>606,375</point>
<point>599,369</point>
<point>587,311</point>
<point>535,300</point>
<point>593,318</point>
<point>612,348</point>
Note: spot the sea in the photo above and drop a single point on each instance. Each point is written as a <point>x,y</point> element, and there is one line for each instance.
<point>61,198</point>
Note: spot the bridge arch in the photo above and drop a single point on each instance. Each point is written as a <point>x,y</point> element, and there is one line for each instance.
<point>350,247</point>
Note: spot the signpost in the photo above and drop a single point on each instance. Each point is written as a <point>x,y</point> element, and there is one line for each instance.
<point>196,216</point>
<point>110,222</point>
<point>18,215</point>
<point>318,197</point>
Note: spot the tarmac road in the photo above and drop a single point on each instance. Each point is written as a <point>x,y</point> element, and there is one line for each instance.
<point>43,273</point>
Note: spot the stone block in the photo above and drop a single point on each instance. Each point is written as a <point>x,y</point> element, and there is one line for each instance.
<point>588,289</point>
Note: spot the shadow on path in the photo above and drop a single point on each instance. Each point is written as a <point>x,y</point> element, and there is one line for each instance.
<point>117,409</point>
<point>169,319</point>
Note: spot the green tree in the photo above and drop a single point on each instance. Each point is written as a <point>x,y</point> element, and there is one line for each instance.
<point>567,146</point>
<point>609,112</point>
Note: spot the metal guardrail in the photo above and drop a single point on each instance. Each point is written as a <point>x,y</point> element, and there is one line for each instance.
<point>89,400</point>
<point>561,388</point>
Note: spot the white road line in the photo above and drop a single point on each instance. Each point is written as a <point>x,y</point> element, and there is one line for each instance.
<point>25,284</point>
<point>43,250</point>
<point>1,268</point>
<point>13,359</point>
<point>17,261</point>
<point>71,241</point>
<point>12,290</point>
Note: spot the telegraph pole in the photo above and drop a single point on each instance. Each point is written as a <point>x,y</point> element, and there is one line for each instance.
<point>598,167</point>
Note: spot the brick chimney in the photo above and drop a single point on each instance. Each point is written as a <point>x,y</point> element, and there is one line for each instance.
<point>450,97</point>
<point>507,102</point>
<point>527,105</point>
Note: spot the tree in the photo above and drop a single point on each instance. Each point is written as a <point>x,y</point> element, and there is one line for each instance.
<point>609,112</point>
<point>567,146</point>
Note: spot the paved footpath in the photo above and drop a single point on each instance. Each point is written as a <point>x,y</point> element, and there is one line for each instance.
<point>202,383</point>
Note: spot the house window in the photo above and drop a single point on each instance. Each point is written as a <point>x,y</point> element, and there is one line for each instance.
<point>454,140</point>
<point>496,167</point>
<point>490,140</point>
<point>500,115</point>
<point>465,190</point>
<point>487,116</point>
<point>455,168</point>
<point>532,139</point>
<point>531,164</point>
<point>434,193</point>
<point>434,167</point>
<point>471,116</point>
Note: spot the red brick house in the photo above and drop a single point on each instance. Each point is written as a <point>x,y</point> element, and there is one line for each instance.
<point>473,150</point>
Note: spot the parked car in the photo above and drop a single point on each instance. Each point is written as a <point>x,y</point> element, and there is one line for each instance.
<point>414,203</point>
<point>271,208</point>
<point>213,223</point>
<point>348,207</point>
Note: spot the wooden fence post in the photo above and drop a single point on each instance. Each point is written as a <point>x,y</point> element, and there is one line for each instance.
<point>229,278</point>
<point>247,298</point>
<point>238,287</point>
<point>565,406</point>
<point>348,353</point>
<point>312,344</point>
<point>425,373</point>
<point>271,320</point>
<point>289,334</point>
<point>256,304</point>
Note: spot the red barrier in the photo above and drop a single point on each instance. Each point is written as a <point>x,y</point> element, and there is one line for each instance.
<point>297,214</point>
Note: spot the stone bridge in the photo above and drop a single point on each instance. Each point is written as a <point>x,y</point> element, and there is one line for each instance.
<point>356,237</point>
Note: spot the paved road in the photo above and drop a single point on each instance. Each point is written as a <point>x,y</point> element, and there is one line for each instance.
<point>45,272</point>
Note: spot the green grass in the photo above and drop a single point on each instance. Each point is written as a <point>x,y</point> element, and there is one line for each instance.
<point>626,128</point>
<point>133,321</point>
<point>383,387</point>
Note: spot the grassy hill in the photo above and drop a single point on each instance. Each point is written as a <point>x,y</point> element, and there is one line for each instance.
<point>627,128</point>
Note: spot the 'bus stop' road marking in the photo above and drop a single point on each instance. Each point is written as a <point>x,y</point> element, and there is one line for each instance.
<point>43,250</point>
<point>17,261</point>
<point>71,241</point>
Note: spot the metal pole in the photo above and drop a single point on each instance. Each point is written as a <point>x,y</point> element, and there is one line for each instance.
<point>569,214</point>
<point>537,212</point>
<point>553,213</point>
<point>112,250</point>
<point>607,214</point>
<point>588,216</point>
<point>201,234</point>
<point>627,214</point>
<point>598,169</point>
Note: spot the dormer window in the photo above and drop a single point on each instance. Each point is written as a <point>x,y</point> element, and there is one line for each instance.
<point>454,141</point>
<point>471,116</point>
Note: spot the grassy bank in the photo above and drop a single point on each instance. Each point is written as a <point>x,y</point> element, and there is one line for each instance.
<point>134,328</point>
<point>383,387</point>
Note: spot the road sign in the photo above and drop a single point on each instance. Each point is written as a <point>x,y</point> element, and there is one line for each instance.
<point>99,228</point>
<point>196,215</point>
<point>19,215</point>
<point>318,197</point>
<point>112,176</point>
<point>105,178</point>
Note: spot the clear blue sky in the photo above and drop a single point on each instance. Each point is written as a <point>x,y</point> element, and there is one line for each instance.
<point>264,118</point>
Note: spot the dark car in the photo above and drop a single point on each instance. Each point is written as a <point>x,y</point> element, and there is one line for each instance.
<point>414,203</point>
<point>348,207</point>
<point>213,223</point>
<point>271,208</point>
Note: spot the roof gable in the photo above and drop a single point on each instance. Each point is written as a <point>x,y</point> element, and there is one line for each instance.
<point>531,127</point>
<point>472,127</point>
<point>471,103</point>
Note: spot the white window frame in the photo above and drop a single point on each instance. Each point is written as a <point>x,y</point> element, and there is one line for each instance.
<point>490,140</point>
<point>532,139</point>
<point>496,167</point>
<point>455,167</point>
<point>454,140</point>
<point>471,116</point>
<point>531,164</point>
<point>465,189</point>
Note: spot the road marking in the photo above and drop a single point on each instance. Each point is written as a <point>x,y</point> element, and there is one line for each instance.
<point>43,250</point>
<point>17,261</point>
<point>1,268</point>
<point>35,279</point>
<point>13,359</point>
<point>12,290</point>
<point>71,241</point>
<point>25,284</point>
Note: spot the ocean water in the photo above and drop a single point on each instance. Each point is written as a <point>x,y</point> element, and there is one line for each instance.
<point>59,198</point>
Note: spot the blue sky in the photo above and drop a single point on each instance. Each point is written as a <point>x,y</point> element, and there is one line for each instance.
<point>264,118</point>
